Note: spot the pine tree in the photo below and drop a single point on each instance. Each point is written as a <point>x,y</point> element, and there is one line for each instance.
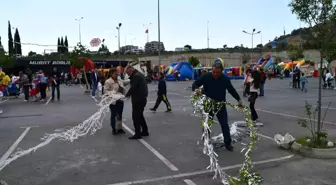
<point>17,43</point>
<point>66,45</point>
<point>58,45</point>
<point>10,40</point>
<point>1,47</point>
<point>61,46</point>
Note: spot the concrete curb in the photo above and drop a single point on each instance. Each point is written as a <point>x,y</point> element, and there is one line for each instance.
<point>314,152</point>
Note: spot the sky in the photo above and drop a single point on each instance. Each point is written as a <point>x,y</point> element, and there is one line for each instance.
<point>182,22</point>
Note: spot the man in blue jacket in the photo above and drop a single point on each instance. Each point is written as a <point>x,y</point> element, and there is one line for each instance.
<point>215,85</point>
<point>162,94</point>
<point>95,81</point>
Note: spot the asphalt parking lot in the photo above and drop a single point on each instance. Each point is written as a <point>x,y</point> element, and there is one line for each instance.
<point>170,155</point>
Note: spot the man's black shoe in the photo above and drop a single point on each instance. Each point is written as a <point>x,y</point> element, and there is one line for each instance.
<point>114,132</point>
<point>152,109</point>
<point>135,137</point>
<point>121,131</point>
<point>229,148</point>
<point>168,110</point>
<point>144,134</point>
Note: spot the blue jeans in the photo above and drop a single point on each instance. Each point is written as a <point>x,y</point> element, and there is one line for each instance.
<point>94,89</point>
<point>261,87</point>
<point>303,86</point>
<point>223,121</point>
<point>116,112</point>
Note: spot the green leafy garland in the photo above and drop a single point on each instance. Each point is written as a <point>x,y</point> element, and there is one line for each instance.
<point>208,108</point>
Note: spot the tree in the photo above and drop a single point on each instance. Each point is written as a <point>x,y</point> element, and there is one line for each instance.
<point>31,53</point>
<point>103,49</point>
<point>259,46</point>
<point>58,45</point>
<point>224,46</point>
<point>320,16</point>
<point>294,53</point>
<point>17,42</point>
<point>330,51</point>
<point>2,50</point>
<point>62,46</point>
<point>6,61</point>
<point>193,61</point>
<point>188,46</point>
<point>66,45</point>
<point>77,57</point>
<point>10,40</point>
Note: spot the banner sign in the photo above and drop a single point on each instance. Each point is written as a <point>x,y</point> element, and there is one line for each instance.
<point>45,62</point>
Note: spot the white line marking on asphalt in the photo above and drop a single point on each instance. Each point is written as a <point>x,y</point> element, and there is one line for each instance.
<point>3,101</point>
<point>155,152</point>
<point>190,174</point>
<point>31,127</point>
<point>176,94</point>
<point>331,108</point>
<point>14,145</point>
<point>290,116</point>
<point>189,182</point>
<point>48,101</point>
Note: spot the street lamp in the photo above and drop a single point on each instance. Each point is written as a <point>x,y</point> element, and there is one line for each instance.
<point>159,36</point>
<point>118,28</point>
<point>208,34</point>
<point>147,31</point>
<point>252,34</point>
<point>79,29</point>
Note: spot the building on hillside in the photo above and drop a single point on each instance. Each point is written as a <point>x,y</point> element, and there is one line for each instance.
<point>154,46</point>
<point>128,48</point>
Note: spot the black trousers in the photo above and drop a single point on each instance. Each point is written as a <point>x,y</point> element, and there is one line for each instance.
<point>55,87</point>
<point>139,121</point>
<point>26,91</point>
<point>43,89</point>
<point>252,100</point>
<point>159,99</point>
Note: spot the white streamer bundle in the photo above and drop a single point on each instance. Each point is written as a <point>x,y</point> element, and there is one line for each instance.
<point>90,125</point>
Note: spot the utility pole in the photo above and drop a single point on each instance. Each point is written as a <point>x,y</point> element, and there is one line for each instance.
<point>79,29</point>
<point>118,28</point>
<point>208,35</point>
<point>159,36</point>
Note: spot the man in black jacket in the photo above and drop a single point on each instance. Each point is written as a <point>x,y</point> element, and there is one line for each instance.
<point>55,84</point>
<point>215,85</point>
<point>139,92</point>
<point>162,94</point>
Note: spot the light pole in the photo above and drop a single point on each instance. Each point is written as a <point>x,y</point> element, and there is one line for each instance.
<point>118,28</point>
<point>79,29</point>
<point>208,34</point>
<point>147,31</point>
<point>159,36</point>
<point>252,34</point>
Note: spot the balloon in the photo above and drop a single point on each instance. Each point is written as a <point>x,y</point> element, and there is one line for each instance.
<point>95,42</point>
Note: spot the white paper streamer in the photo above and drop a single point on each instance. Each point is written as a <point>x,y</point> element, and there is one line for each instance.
<point>90,125</point>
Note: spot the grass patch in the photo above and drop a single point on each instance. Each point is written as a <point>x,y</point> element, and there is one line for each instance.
<point>309,142</point>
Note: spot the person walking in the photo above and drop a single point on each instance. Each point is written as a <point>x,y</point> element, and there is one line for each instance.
<point>262,82</point>
<point>114,85</point>
<point>162,94</point>
<point>138,92</point>
<point>43,85</point>
<point>94,81</point>
<point>25,84</point>
<point>55,84</point>
<point>215,85</point>
<point>255,81</point>
<point>303,81</point>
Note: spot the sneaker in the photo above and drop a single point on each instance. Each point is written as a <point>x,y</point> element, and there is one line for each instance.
<point>121,131</point>
<point>257,123</point>
<point>152,109</point>
<point>229,148</point>
<point>168,110</point>
<point>114,132</point>
<point>0,111</point>
<point>144,134</point>
<point>42,100</point>
<point>25,100</point>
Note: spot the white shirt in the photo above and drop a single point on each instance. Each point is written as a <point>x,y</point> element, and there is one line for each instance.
<point>252,89</point>
<point>328,75</point>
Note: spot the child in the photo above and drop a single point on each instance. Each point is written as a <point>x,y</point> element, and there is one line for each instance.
<point>255,81</point>
<point>35,90</point>
<point>247,83</point>
<point>162,94</point>
<point>304,81</point>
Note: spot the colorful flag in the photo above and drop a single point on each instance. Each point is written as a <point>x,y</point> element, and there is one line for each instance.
<point>146,31</point>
